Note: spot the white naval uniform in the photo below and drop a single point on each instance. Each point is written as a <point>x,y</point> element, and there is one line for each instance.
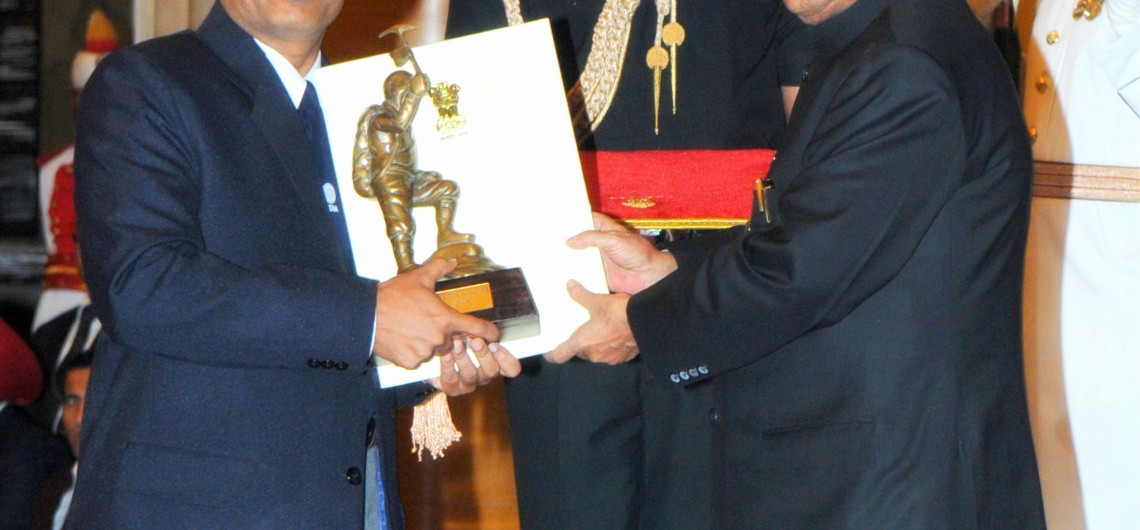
<point>1082,313</point>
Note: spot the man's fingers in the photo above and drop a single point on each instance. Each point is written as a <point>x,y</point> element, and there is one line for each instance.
<point>581,240</point>
<point>474,327</point>
<point>605,222</point>
<point>468,374</point>
<point>585,239</point>
<point>571,346</point>
<point>478,346</point>
<point>563,352</point>
<point>494,360</point>
<point>488,364</point>
<point>509,365</point>
<point>605,337</point>
<point>606,241</point>
<point>437,268</point>
<point>582,295</point>
<point>449,346</point>
<point>452,379</point>
<point>448,376</point>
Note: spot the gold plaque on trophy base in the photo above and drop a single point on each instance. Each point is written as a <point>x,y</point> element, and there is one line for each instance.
<point>500,296</point>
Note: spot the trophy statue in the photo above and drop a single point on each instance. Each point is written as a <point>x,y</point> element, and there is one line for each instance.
<point>386,167</point>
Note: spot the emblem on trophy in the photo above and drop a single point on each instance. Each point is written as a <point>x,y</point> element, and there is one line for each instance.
<point>386,167</point>
<point>445,97</point>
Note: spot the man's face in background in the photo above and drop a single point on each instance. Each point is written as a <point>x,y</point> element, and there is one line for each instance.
<point>74,393</point>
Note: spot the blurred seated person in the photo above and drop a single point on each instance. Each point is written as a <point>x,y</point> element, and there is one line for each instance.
<point>28,452</point>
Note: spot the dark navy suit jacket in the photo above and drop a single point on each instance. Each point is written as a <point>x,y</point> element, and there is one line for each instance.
<point>231,387</point>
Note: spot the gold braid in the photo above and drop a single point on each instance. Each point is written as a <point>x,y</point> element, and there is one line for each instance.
<point>591,96</point>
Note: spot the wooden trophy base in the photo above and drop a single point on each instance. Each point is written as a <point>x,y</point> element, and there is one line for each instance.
<point>500,296</point>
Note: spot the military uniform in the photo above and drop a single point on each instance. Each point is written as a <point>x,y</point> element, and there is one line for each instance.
<point>1082,313</point>
<point>586,437</point>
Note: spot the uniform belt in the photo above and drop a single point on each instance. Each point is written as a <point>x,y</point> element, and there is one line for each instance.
<point>62,272</point>
<point>1082,181</point>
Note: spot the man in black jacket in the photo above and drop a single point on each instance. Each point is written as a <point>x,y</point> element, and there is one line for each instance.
<point>864,332</point>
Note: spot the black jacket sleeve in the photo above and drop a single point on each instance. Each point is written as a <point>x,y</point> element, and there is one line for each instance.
<point>885,154</point>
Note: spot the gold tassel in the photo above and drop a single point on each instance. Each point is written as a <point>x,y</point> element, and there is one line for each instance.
<point>432,428</point>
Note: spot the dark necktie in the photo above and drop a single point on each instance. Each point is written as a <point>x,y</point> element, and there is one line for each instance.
<point>310,111</point>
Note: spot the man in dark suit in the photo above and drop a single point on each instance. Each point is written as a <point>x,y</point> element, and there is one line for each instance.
<point>863,335</point>
<point>232,386</point>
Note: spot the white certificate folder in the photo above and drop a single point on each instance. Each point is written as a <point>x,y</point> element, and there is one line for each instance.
<point>514,158</point>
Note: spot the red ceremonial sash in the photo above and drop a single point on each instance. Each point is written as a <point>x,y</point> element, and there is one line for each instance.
<point>675,189</point>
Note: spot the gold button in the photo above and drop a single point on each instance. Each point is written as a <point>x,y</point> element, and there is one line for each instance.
<point>1032,135</point>
<point>1042,84</point>
<point>1052,37</point>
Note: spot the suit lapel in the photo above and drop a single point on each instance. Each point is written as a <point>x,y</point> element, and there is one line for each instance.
<point>280,124</point>
<point>283,130</point>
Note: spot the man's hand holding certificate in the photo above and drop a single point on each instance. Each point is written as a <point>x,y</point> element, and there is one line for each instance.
<point>632,263</point>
